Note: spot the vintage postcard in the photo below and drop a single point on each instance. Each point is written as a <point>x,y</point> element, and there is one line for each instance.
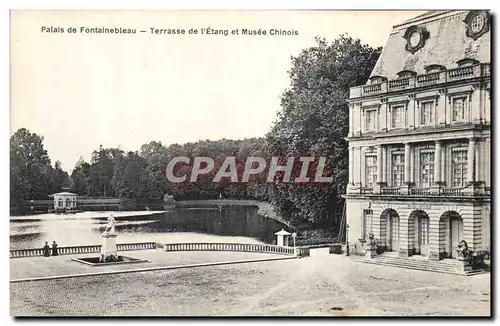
<point>250,163</point>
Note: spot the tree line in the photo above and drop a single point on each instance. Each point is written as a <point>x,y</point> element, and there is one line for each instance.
<point>312,121</point>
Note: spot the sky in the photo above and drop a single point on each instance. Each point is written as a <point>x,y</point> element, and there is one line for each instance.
<point>80,91</point>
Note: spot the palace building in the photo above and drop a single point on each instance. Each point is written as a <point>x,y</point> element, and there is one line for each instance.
<point>419,139</point>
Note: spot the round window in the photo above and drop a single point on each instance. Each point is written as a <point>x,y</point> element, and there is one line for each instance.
<point>477,23</point>
<point>415,38</point>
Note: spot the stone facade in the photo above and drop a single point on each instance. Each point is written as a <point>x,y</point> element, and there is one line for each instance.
<point>419,139</point>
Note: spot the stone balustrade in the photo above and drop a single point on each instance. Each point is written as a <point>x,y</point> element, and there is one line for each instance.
<point>394,191</point>
<point>430,79</point>
<point>243,247</point>
<point>375,88</point>
<point>464,72</point>
<point>390,191</point>
<point>135,246</point>
<point>37,252</point>
<point>401,83</point>
<point>420,191</point>
<point>366,190</point>
<point>452,191</point>
<point>450,75</point>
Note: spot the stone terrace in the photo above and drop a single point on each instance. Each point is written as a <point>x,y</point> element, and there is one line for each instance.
<point>33,267</point>
<point>320,285</point>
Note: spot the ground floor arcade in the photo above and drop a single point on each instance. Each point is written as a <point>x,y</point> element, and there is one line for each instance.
<point>428,228</point>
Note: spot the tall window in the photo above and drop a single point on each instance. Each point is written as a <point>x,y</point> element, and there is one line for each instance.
<point>458,109</point>
<point>426,168</point>
<point>459,166</point>
<point>397,120</point>
<point>370,120</point>
<point>398,169</point>
<point>371,170</point>
<point>426,113</point>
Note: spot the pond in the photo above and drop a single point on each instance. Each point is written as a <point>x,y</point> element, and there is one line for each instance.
<point>196,224</point>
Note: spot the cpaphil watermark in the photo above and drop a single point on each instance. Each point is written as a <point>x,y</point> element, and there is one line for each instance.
<point>304,169</point>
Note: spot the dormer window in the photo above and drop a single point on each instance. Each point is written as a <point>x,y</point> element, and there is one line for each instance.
<point>377,80</point>
<point>434,68</point>
<point>466,62</point>
<point>406,74</point>
<point>415,38</point>
<point>477,23</point>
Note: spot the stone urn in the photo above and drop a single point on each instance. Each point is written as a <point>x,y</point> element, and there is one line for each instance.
<point>371,247</point>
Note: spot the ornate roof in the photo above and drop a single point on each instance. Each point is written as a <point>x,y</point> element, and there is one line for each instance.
<point>64,193</point>
<point>444,42</point>
<point>282,232</point>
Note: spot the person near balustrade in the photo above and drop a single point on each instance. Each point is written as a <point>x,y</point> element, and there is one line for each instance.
<point>54,249</point>
<point>46,249</point>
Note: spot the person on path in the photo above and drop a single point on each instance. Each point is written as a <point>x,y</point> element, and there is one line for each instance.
<point>54,249</point>
<point>46,249</point>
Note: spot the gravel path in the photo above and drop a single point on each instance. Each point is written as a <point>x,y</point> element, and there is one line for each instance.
<point>316,286</point>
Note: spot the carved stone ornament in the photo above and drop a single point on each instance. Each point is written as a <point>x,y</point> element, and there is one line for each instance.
<point>415,38</point>
<point>463,251</point>
<point>477,24</point>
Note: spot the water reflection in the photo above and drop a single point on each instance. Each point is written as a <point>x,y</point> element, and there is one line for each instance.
<point>207,224</point>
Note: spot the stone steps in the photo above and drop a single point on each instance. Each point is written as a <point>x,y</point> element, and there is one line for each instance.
<point>420,264</point>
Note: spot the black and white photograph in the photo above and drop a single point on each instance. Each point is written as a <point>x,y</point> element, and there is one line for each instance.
<point>250,163</point>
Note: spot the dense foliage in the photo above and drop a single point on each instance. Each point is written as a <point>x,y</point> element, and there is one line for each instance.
<point>31,173</point>
<point>313,121</point>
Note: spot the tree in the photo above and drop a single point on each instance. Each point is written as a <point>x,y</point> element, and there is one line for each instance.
<point>60,178</point>
<point>313,121</point>
<point>131,177</point>
<point>102,170</point>
<point>152,148</point>
<point>30,169</point>
<point>80,177</point>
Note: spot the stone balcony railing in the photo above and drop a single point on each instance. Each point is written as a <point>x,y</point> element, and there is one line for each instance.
<point>452,191</point>
<point>414,191</point>
<point>390,191</point>
<point>420,191</point>
<point>450,75</point>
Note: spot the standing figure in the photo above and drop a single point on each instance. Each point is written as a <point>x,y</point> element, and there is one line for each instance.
<point>54,249</point>
<point>111,224</point>
<point>46,249</point>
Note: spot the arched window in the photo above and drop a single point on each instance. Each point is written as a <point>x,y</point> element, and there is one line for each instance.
<point>406,74</point>
<point>434,68</point>
<point>467,62</point>
<point>377,80</point>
